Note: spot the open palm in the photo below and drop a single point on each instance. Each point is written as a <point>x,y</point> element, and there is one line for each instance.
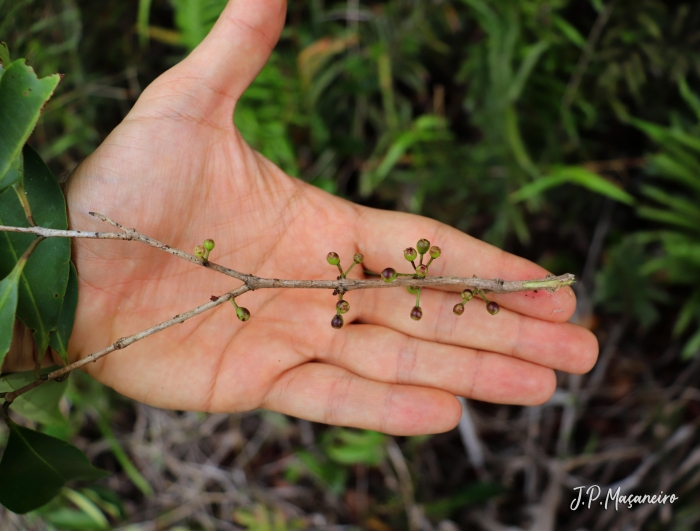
<point>177,170</point>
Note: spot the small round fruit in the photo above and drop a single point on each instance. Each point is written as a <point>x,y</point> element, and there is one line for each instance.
<point>209,244</point>
<point>422,270</point>
<point>333,258</point>
<point>358,258</point>
<point>458,309</point>
<point>423,246</point>
<point>242,313</point>
<point>434,252</point>
<point>410,254</point>
<point>467,295</point>
<point>413,290</point>
<point>416,313</point>
<point>342,306</point>
<point>493,308</point>
<point>337,322</point>
<point>389,274</point>
<point>200,251</point>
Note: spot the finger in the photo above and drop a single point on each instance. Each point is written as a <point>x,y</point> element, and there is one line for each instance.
<point>324,393</point>
<point>562,346</point>
<point>238,46</point>
<point>385,355</point>
<point>380,233</point>
<point>205,86</point>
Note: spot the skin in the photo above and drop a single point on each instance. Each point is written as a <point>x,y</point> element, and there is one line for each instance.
<point>178,170</point>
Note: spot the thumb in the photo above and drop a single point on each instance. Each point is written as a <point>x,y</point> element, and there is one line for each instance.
<point>227,61</point>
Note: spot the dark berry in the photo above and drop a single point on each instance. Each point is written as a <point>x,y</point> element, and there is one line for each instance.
<point>467,295</point>
<point>416,313</point>
<point>422,270</point>
<point>413,290</point>
<point>209,244</point>
<point>423,246</point>
<point>389,274</point>
<point>243,314</point>
<point>410,253</point>
<point>458,309</point>
<point>434,252</point>
<point>342,306</point>
<point>358,258</point>
<point>492,308</point>
<point>337,322</point>
<point>200,251</point>
<point>333,258</point>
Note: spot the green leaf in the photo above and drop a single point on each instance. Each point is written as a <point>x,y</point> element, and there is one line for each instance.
<point>8,305</point>
<point>45,277</point>
<point>569,31</point>
<point>22,96</point>
<point>4,55</point>
<point>59,338</point>
<point>692,347</point>
<point>531,57</point>
<point>475,493</point>
<point>13,174</point>
<point>40,404</point>
<point>574,175</point>
<point>35,466</point>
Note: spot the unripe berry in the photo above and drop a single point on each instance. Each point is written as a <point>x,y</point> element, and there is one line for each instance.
<point>416,313</point>
<point>342,306</point>
<point>467,295</point>
<point>209,244</point>
<point>200,251</point>
<point>333,258</point>
<point>458,309</point>
<point>492,307</point>
<point>389,274</point>
<point>434,252</point>
<point>423,245</point>
<point>422,270</point>
<point>358,258</point>
<point>337,322</point>
<point>413,290</point>
<point>410,253</point>
<point>242,313</point>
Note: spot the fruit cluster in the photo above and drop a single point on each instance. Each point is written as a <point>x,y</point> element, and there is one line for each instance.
<point>389,274</point>
<point>342,306</point>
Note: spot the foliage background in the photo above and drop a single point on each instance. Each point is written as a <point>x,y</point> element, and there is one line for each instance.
<point>566,131</point>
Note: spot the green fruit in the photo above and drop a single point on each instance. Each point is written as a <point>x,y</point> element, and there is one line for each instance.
<point>200,251</point>
<point>458,309</point>
<point>337,322</point>
<point>422,270</point>
<point>410,254</point>
<point>342,306</point>
<point>423,245</point>
<point>467,295</point>
<point>416,313</point>
<point>413,290</point>
<point>242,313</point>
<point>209,244</point>
<point>358,258</point>
<point>333,258</point>
<point>389,274</point>
<point>434,252</point>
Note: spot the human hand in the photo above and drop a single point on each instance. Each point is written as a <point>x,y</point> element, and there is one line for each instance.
<point>177,170</point>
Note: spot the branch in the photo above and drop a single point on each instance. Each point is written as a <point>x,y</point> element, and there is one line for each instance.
<point>126,341</point>
<point>252,282</point>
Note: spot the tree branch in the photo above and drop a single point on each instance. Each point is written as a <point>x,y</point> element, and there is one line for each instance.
<point>126,341</point>
<point>252,282</point>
